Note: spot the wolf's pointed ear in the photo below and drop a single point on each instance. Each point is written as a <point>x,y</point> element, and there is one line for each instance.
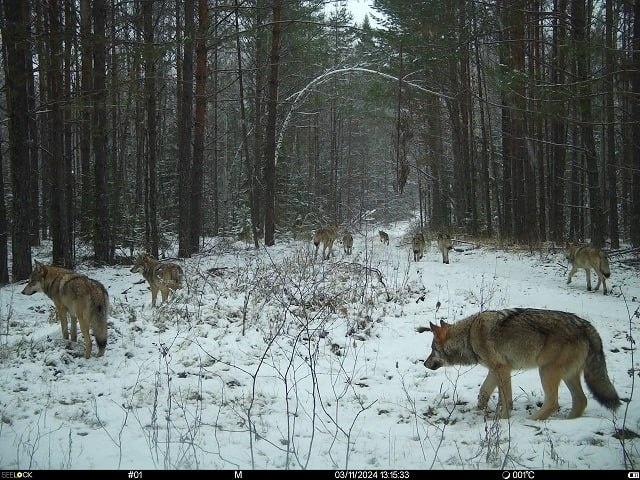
<point>440,332</point>
<point>444,324</point>
<point>38,265</point>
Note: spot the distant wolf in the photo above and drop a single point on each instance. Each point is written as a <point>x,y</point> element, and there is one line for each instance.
<point>347,243</point>
<point>444,245</point>
<point>83,298</point>
<point>384,237</point>
<point>588,258</point>
<point>161,276</point>
<point>417,245</point>
<point>326,236</point>
<point>560,345</point>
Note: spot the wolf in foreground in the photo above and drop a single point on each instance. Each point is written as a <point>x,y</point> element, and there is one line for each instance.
<point>588,258</point>
<point>162,277</point>
<point>417,245</point>
<point>561,345</point>
<point>444,245</point>
<point>325,236</point>
<point>86,300</point>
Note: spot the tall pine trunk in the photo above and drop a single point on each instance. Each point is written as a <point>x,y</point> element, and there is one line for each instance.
<point>270,133</point>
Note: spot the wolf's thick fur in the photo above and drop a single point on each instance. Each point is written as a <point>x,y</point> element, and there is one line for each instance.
<point>384,237</point>
<point>417,245</point>
<point>444,245</point>
<point>560,345</point>
<point>162,277</point>
<point>347,243</point>
<point>325,236</point>
<point>83,298</point>
<point>588,258</point>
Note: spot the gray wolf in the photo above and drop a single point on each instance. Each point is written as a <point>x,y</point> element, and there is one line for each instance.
<point>417,245</point>
<point>347,243</point>
<point>444,245</point>
<point>588,258</point>
<point>325,236</point>
<point>162,277</point>
<point>384,237</point>
<point>83,298</point>
<point>560,345</point>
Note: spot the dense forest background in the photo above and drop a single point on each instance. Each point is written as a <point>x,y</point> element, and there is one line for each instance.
<point>131,124</point>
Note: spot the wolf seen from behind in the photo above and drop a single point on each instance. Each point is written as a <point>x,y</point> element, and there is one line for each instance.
<point>560,345</point>
<point>325,236</point>
<point>162,277</point>
<point>83,299</point>
<point>588,258</point>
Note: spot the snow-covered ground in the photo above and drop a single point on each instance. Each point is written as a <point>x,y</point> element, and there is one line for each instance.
<point>268,359</point>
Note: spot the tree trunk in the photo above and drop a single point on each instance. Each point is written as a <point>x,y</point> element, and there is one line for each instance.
<point>185,128</point>
<point>199,127</point>
<point>150,93</point>
<point>558,127</point>
<point>4,225</point>
<point>84,127</point>
<point>102,233</point>
<point>14,37</point>
<point>580,34</point>
<point>635,120</point>
<point>61,236</point>
<point>611,162</point>
<point>270,133</point>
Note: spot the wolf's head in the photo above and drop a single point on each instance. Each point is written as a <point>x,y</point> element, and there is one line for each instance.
<point>570,251</point>
<point>444,241</point>
<point>439,355</point>
<point>142,260</point>
<point>36,279</point>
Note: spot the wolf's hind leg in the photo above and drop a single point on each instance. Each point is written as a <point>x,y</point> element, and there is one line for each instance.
<point>578,399</point>
<point>74,328</point>
<point>550,377</point>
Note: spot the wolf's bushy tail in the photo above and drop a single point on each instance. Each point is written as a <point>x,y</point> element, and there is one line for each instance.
<point>100,314</point>
<point>595,373</point>
<point>604,265</point>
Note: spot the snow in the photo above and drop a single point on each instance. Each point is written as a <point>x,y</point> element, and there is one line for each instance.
<point>276,361</point>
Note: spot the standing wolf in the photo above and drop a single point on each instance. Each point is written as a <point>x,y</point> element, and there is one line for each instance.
<point>417,245</point>
<point>588,258</point>
<point>327,236</point>
<point>560,345</point>
<point>347,243</point>
<point>161,276</point>
<point>384,237</point>
<point>444,245</point>
<point>83,298</point>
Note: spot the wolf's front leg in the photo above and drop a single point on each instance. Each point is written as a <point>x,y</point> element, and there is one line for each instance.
<point>486,390</point>
<point>503,374</point>
<point>588,272</point>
